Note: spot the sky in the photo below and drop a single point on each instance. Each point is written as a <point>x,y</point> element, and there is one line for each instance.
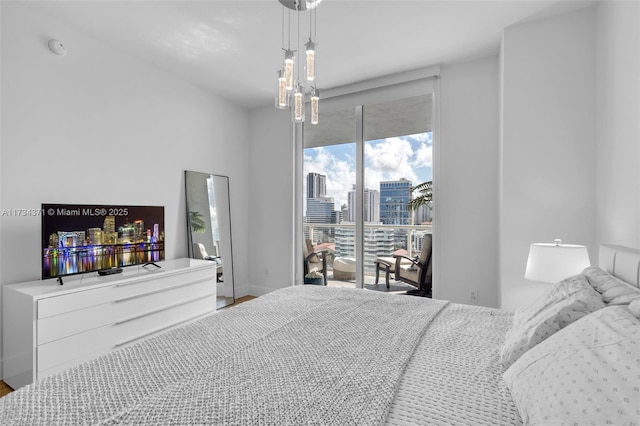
<point>409,157</point>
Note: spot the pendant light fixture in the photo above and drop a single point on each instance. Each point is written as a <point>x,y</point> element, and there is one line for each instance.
<point>315,99</point>
<point>291,89</point>
<point>311,60</point>
<point>282,97</point>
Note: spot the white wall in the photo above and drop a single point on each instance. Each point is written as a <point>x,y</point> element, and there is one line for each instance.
<point>618,112</point>
<point>548,143</point>
<point>527,174</point>
<point>97,126</point>
<point>466,190</point>
<point>271,193</point>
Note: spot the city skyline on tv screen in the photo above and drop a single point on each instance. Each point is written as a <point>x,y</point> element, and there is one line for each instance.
<point>82,238</point>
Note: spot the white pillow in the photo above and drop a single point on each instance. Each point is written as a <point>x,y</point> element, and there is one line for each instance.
<point>523,336</point>
<point>625,299</point>
<point>555,293</point>
<point>617,291</point>
<point>596,275</point>
<point>585,374</point>
<point>609,285</point>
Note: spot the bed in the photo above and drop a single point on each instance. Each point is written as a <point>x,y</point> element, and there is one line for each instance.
<point>321,355</point>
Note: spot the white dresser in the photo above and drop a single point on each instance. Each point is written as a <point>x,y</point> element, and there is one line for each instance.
<point>49,327</point>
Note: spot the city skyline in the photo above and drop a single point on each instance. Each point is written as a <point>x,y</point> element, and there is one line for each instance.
<point>409,157</point>
<point>70,218</point>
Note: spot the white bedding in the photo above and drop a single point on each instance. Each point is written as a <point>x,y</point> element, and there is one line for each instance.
<point>455,375</point>
<point>301,355</point>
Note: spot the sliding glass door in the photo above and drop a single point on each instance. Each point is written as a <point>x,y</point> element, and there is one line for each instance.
<point>398,154</point>
<point>329,176</point>
<point>359,169</point>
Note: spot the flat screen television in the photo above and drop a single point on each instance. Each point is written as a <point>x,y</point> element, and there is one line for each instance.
<point>83,238</point>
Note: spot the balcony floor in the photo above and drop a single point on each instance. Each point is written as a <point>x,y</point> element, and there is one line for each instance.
<point>369,284</point>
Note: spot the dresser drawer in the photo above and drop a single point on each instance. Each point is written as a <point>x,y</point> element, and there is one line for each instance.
<point>116,291</point>
<point>74,322</point>
<point>104,339</point>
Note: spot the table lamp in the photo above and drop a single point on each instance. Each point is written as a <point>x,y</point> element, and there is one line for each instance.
<point>554,262</point>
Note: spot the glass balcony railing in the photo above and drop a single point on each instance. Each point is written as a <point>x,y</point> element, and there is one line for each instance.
<point>338,241</point>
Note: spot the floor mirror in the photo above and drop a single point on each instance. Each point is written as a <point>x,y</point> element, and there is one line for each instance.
<point>209,227</point>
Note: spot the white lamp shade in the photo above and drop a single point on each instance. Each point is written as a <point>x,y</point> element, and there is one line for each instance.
<point>554,262</point>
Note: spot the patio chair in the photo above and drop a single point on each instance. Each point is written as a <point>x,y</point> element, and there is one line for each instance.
<point>387,265</point>
<point>418,271</point>
<point>314,260</point>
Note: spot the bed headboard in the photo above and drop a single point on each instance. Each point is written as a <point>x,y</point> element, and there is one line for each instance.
<point>623,262</point>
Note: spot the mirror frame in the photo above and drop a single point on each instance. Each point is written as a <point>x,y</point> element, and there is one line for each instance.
<point>222,215</point>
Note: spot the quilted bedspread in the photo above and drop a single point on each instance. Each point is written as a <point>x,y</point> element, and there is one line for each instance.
<point>455,375</point>
<point>300,355</point>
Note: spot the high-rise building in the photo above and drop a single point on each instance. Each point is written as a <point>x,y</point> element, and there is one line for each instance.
<point>394,199</point>
<point>156,232</point>
<point>371,205</point>
<point>126,233</point>
<point>95,236</point>
<point>344,213</point>
<point>320,210</point>
<point>423,214</point>
<point>378,242</point>
<point>109,224</point>
<point>316,185</point>
<point>109,235</point>
<point>139,233</point>
<point>53,240</point>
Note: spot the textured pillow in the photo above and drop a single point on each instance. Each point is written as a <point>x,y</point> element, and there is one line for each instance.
<point>596,276</point>
<point>634,308</point>
<point>525,335</point>
<point>620,290</point>
<point>556,293</point>
<point>611,284</point>
<point>625,299</point>
<point>586,374</point>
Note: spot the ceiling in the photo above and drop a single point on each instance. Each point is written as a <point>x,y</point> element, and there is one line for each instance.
<point>234,47</point>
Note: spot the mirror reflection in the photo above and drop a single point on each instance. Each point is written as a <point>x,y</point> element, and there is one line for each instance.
<point>209,227</point>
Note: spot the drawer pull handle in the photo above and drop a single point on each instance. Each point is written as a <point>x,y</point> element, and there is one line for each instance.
<point>164,308</point>
<point>157,330</point>
<point>160,290</point>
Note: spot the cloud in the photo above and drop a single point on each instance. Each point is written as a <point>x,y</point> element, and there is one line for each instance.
<point>424,156</point>
<point>422,137</point>
<point>409,157</point>
<point>391,158</point>
<point>340,172</point>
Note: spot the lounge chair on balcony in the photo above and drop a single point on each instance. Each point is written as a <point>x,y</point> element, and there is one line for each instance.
<point>314,260</point>
<point>417,271</point>
<point>388,266</point>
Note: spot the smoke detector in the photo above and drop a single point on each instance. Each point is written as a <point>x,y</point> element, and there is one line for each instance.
<point>57,47</point>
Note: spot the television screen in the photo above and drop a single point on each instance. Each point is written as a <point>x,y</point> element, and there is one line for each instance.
<point>82,238</point>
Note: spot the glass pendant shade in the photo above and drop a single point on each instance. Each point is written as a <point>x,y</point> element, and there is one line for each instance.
<point>282,97</point>
<point>315,100</point>
<point>311,60</point>
<point>288,68</point>
<point>298,105</point>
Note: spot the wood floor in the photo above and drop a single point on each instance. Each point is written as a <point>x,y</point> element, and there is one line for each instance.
<point>6,389</point>
<point>240,300</point>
